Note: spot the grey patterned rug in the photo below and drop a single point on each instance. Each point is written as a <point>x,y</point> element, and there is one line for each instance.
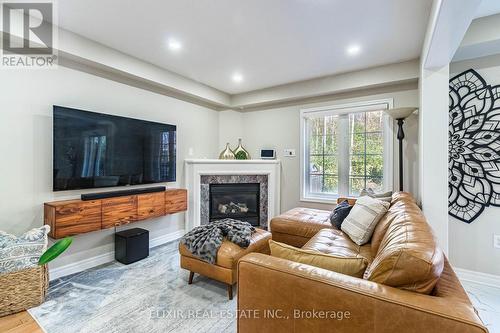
<point>151,295</point>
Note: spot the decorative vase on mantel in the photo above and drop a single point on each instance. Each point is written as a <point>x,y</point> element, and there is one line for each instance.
<point>227,153</point>
<point>241,153</point>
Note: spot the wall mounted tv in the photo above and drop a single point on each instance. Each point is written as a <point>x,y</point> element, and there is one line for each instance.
<point>93,150</point>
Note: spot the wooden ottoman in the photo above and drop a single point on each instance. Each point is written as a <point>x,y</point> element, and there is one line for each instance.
<point>225,268</point>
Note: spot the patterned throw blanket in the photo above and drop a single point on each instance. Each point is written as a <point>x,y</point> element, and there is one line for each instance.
<point>204,241</point>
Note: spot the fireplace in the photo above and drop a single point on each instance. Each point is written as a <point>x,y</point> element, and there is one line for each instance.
<point>240,201</point>
<point>201,173</point>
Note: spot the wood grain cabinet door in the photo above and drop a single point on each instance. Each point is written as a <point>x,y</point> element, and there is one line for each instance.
<point>77,218</point>
<point>175,201</point>
<point>150,205</point>
<point>118,211</point>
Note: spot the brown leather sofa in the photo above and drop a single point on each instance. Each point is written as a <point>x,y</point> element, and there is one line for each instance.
<point>408,285</point>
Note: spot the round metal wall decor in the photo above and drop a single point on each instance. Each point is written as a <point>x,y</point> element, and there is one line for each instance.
<point>474,146</point>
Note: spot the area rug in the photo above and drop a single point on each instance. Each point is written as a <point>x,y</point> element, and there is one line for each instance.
<point>151,295</point>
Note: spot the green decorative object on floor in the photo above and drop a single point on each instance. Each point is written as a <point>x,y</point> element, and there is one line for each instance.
<point>240,152</point>
<point>55,250</point>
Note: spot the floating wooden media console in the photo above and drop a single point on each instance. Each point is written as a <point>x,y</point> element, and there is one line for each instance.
<point>73,217</point>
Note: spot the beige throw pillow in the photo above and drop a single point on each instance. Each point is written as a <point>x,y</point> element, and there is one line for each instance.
<point>363,219</point>
<point>386,196</point>
<point>353,266</point>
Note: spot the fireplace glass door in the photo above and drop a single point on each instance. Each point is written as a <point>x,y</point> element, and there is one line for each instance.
<point>240,201</point>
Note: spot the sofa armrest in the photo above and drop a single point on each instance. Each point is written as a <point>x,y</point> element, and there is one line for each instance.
<point>351,201</point>
<point>277,295</point>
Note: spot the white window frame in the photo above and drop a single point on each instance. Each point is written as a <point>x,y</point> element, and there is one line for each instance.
<point>388,137</point>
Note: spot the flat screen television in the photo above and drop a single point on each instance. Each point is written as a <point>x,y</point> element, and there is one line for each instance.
<point>93,150</point>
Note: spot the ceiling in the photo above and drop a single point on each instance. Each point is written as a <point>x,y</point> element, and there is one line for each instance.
<point>487,8</point>
<point>268,42</point>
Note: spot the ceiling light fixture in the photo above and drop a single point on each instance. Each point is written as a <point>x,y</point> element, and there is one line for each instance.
<point>353,49</point>
<point>174,45</point>
<point>237,77</point>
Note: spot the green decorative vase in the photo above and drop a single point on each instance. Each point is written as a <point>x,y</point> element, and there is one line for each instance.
<point>227,153</point>
<point>241,153</point>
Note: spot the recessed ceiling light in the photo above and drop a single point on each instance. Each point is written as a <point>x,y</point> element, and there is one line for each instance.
<point>353,49</point>
<point>174,45</point>
<point>237,77</point>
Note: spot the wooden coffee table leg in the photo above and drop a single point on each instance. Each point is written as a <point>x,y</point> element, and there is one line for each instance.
<point>230,291</point>
<point>191,275</point>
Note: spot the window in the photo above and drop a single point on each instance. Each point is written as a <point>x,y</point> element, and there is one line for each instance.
<point>345,149</point>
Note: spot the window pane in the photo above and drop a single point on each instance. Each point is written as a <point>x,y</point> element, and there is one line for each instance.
<point>374,121</point>
<point>357,122</point>
<point>374,143</point>
<point>331,138</point>
<point>316,126</point>
<point>357,143</point>
<point>375,183</point>
<point>315,184</point>
<point>331,185</point>
<point>331,165</point>
<point>316,144</point>
<point>375,166</point>
<point>331,144</point>
<point>357,165</point>
<point>316,164</point>
<point>331,125</point>
<point>356,184</point>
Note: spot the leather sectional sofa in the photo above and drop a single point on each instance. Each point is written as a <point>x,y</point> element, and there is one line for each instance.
<point>408,286</point>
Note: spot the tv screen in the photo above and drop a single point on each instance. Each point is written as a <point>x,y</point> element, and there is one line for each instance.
<point>93,150</point>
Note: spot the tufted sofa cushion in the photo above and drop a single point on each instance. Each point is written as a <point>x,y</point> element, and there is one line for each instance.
<point>344,262</point>
<point>296,226</point>
<point>335,242</point>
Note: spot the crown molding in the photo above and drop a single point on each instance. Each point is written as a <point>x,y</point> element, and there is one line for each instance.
<point>448,23</point>
<point>482,39</point>
<point>374,77</point>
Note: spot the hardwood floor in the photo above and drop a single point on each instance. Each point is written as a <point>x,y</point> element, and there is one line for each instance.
<point>21,322</point>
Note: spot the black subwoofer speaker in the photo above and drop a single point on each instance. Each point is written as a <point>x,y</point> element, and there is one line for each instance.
<point>131,245</point>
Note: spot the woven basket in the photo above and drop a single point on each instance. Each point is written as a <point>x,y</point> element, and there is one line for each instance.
<point>23,289</point>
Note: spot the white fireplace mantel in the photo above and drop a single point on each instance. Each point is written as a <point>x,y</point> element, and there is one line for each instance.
<point>195,168</point>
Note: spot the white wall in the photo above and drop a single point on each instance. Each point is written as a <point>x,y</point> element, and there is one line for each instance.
<point>26,103</point>
<point>279,128</point>
<point>230,129</point>
<point>433,156</point>
<point>471,245</point>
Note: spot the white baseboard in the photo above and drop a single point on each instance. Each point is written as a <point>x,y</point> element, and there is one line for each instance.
<point>166,238</point>
<point>478,277</point>
<point>104,258</point>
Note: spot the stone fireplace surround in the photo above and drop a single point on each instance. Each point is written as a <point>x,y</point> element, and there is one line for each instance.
<point>206,180</point>
<point>199,173</point>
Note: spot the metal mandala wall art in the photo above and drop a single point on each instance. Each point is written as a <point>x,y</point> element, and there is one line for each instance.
<point>474,146</point>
